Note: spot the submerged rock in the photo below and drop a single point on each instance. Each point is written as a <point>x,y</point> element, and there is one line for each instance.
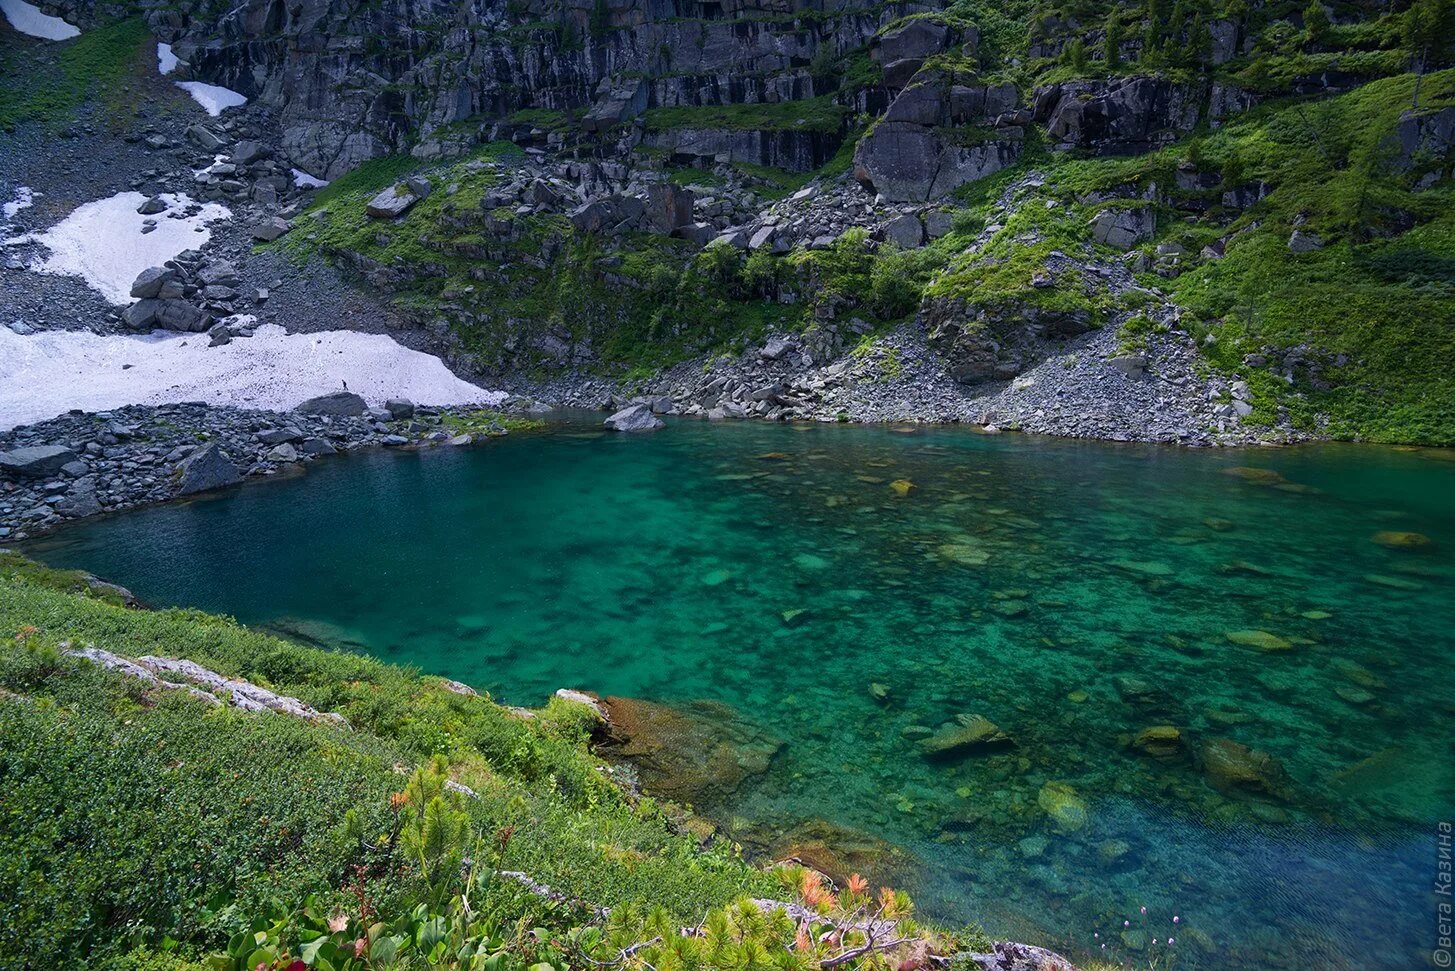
<point>1259,639</point>
<point>968,735</point>
<point>1060,802</point>
<point>1396,540</point>
<point>1233,768</point>
<point>698,753</point>
<point>1159,741</point>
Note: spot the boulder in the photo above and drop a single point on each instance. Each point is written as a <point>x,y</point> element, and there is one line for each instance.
<point>270,229</point>
<point>152,206</point>
<point>335,404</point>
<point>635,418</point>
<point>1066,809</point>
<point>219,273</point>
<point>908,162</point>
<point>399,408</point>
<point>668,207</point>
<point>1123,228</point>
<point>149,282</point>
<point>36,461</point>
<point>1301,242</point>
<point>1159,741</point>
<point>247,152</point>
<point>206,468</point>
<point>204,138</point>
<point>1233,768</point>
<point>969,734</point>
<point>166,314</point>
<point>391,203</point>
<point>282,454</point>
<point>905,231</point>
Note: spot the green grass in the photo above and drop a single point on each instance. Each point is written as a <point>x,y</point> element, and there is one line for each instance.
<point>135,819</point>
<point>818,114</point>
<point>97,65</point>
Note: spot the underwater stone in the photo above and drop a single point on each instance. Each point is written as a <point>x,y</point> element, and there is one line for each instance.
<point>1064,806</point>
<point>1159,741</point>
<point>1396,540</point>
<point>972,733</point>
<point>1233,768</point>
<point>1259,639</point>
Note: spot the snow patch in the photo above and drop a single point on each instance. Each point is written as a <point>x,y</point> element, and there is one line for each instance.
<point>166,61</point>
<point>47,373</point>
<point>213,98</point>
<point>102,242</point>
<point>201,174</point>
<point>24,199</point>
<point>27,18</point>
<point>303,180</point>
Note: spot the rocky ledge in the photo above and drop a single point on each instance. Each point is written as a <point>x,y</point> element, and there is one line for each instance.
<point>82,464</point>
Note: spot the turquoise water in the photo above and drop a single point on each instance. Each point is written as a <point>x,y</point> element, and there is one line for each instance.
<point>1074,594</point>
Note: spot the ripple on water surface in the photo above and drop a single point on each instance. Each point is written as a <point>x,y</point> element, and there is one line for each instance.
<point>1047,684</point>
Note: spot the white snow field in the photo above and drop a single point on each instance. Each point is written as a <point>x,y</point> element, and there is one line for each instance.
<point>102,242</point>
<point>27,18</point>
<point>213,98</point>
<point>45,374</point>
<point>166,61</point>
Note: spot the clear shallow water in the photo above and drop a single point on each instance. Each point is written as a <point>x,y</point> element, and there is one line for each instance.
<point>1075,594</point>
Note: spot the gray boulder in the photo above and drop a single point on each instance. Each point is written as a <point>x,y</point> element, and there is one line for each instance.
<point>152,206</point>
<point>282,454</point>
<point>335,404</point>
<point>36,461</point>
<point>908,162</point>
<point>391,203</point>
<point>150,281</point>
<point>207,468</point>
<point>905,231</point>
<point>1301,242</point>
<point>247,152</point>
<point>270,229</point>
<point>167,314</point>
<point>634,418</point>
<point>399,408</point>
<point>1123,228</point>
<point>668,207</point>
<point>219,273</point>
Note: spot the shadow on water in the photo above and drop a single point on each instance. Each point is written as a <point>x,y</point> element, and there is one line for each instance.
<point>1219,679</point>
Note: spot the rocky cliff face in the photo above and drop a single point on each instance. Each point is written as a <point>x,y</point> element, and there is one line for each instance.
<point>354,80</point>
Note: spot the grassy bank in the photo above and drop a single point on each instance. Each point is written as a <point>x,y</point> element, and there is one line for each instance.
<point>147,828</point>
<point>150,823</point>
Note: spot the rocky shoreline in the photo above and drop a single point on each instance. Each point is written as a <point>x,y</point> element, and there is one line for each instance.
<point>84,464</point>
